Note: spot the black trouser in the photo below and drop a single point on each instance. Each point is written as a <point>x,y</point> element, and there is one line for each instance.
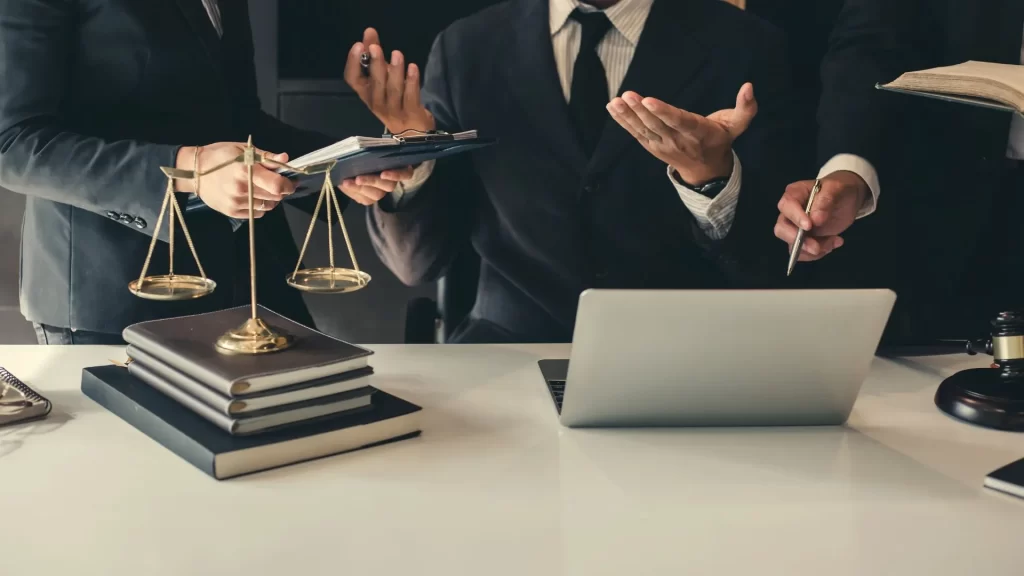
<point>65,336</point>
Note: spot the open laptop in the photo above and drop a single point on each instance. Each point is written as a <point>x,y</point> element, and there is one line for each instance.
<point>717,358</point>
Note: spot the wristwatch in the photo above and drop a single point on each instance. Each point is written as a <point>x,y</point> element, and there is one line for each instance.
<point>709,189</point>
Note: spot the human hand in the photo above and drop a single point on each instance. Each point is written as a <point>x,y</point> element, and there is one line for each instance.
<point>371,188</point>
<point>392,89</point>
<point>835,208</point>
<point>698,148</point>
<point>227,190</point>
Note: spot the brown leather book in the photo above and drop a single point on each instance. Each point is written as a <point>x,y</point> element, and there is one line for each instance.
<point>187,344</point>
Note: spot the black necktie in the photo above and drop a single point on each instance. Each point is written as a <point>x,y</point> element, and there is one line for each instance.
<point>589,94</point>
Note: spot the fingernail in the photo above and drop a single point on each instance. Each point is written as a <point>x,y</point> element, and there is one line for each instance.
<point>806,224</point>
<point>619,106</point>
<point>412,70</point>
<point>394,58</point>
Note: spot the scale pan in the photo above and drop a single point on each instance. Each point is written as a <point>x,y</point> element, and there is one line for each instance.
<point>329,280</point>
<point>172,287</point>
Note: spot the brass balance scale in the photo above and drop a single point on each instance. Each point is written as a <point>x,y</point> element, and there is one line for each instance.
<point>254,336</point>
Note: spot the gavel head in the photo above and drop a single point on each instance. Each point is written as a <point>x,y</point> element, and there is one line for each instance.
<point>1008,344</point>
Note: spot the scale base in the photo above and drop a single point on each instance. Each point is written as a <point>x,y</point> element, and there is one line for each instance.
<point>984,397</point>
<point>254,337</point>
<point>329,280</point>
<point>172,287</point>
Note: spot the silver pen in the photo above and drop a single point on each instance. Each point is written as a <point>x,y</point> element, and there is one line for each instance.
<point>799,243</point>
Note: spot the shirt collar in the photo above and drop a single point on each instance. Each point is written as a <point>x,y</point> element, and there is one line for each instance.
<point>628,16</point>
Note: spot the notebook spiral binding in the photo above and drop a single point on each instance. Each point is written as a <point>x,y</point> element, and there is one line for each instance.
<point>12,381</point>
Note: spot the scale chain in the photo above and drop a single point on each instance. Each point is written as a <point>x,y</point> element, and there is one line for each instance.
<point>170,238</point>
<point>309,232</point>
<point>188,239</point>
<point>330,226</point>
<point>344,230</point>
<point>156,232</point>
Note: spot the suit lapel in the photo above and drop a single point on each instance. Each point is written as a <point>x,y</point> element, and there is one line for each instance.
<point>533,78</point>
<point>663,41</point>
<point>199,21</point>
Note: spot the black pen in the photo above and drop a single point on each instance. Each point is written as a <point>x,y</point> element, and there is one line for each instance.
<point>364,63</point>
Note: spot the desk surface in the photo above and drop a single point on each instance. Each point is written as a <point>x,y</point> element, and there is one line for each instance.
<point>495,486</point>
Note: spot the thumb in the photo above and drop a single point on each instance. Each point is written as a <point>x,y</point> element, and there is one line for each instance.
<point>283,157</point>
<point>745,111</point>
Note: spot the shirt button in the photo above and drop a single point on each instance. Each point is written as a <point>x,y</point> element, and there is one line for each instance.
<point>113,215</point>
<point>125,218</point>
<point>139,223</point>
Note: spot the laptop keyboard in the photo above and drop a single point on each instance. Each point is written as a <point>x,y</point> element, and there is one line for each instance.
<point>557,389</point>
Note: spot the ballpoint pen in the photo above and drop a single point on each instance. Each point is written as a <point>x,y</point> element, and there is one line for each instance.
<point>364,63</point>
<point>799,243</point>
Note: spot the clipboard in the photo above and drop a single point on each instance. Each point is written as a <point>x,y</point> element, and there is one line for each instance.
<point>389,152</point>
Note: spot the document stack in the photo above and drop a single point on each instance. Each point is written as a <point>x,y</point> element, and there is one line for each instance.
<point>236,414</point>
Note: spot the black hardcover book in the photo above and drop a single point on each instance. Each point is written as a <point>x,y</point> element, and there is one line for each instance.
<point>222,455</point>
<point>1008,479</point>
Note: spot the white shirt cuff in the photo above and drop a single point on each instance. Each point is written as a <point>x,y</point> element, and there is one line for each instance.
<point>405,190</point>
<point>714,215</point>
<point>860,167</point>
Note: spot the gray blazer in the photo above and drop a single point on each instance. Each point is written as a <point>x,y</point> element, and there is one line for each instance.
<point>96,96</point>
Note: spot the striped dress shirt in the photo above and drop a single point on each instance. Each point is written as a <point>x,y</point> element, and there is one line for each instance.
<point>628,17</point>
<point>616,49</point>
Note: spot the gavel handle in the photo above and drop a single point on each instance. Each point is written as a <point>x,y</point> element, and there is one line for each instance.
<point>938,348</point>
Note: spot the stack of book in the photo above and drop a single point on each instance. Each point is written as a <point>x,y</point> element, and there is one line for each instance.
<point>235,414</point>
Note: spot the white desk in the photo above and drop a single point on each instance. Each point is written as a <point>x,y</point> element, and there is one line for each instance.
<point>495,486</point>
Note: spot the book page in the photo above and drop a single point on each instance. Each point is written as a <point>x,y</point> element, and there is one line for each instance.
<point>1001,83</point>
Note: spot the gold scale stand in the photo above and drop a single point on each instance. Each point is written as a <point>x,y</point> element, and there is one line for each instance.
<point>254,336</point>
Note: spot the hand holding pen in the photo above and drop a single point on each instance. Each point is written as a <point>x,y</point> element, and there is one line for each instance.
<point>390,89</point>
<point>840,200</point>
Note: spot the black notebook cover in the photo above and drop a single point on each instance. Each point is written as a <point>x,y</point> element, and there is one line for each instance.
<point>1008,479</point>
<point>221,455</point>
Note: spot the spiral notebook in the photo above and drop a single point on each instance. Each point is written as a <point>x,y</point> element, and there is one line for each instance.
<point>18,402</point>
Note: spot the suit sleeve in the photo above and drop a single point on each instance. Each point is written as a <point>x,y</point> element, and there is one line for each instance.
<point>750,255</point>
<point>418,238</point>
<point>864,49</point>
<point>39,155</point>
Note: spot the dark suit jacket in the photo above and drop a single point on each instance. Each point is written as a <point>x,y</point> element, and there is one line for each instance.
<point>949,194</point>
<point>841,49</point>
<point>547,221</point>
<point>939,163</point>
<point>96,96</point>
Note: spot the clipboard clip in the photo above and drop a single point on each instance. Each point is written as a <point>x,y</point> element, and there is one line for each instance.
<point>420,136</point>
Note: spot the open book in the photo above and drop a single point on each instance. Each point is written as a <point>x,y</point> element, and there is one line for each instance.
<point>998,86</point>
